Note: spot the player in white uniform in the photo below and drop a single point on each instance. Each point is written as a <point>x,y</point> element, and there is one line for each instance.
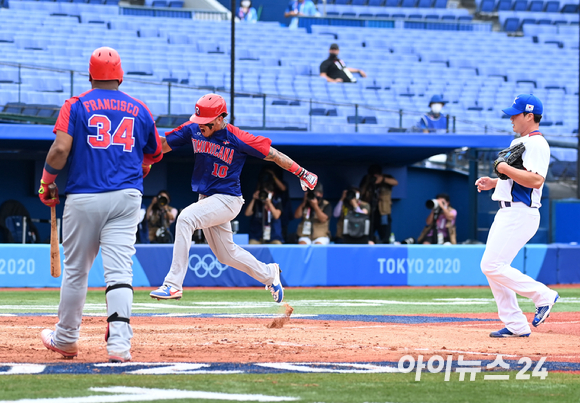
<point>517,221</point>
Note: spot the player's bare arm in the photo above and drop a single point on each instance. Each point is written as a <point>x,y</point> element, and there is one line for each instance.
<point>164,145</point>
<point>521,176</point>
<point>59,151</point>
<point>308,180</point>
<point>486,183</point>
<point>279,158</point>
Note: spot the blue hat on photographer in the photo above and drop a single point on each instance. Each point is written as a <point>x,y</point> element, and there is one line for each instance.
<point>525,103</point>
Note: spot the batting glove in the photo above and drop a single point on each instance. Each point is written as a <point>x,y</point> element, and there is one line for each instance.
<point>308,180</point>
<point>45,196</point>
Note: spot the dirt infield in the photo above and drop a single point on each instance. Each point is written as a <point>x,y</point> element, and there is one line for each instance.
<point>170,339</point>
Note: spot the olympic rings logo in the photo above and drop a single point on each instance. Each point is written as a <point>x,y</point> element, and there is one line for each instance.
<point>208,264</point>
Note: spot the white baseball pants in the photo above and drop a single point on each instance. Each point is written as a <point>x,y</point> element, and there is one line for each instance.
<point>109,221</point>
<point>213,214</point>
<point>512,228</point>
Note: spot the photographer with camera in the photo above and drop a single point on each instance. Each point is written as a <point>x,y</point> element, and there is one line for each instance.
<point>265,208</point>
<point>376,189</point>
<point>353,224</point>
<point>160,215</point>
<point>440,228</point>
<point>315,213</point>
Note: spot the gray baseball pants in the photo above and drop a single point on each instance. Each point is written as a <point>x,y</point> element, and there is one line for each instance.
<point>109,221</point>
<point>213,214</point>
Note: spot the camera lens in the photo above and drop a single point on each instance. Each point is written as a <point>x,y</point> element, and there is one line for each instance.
<point>263,195</point>
<point>310,195</point>
<point>162,200</point>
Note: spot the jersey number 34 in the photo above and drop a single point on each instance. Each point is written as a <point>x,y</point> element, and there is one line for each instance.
<point>122,136</point>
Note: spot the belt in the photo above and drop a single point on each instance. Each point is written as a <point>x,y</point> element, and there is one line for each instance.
<point>503,204</point>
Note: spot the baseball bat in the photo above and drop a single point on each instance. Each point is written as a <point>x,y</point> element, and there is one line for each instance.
<point>54,248</point>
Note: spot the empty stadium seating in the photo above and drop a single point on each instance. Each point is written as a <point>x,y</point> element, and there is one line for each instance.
<point>477,72</point>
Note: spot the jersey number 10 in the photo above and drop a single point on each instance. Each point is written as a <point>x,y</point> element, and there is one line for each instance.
<point>122,136</point>
<point>220,171</point>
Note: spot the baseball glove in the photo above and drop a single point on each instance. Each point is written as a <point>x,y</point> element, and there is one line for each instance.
<point>511,156</point>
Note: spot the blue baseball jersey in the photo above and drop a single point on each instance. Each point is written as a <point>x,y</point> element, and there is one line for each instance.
<point>111,131</point>
<point>220,158</point>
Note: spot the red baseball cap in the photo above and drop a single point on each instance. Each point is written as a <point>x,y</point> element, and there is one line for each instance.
<point>208,108</point>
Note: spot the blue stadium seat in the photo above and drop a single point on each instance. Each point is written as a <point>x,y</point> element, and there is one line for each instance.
<point>465,18</point>
<point>382,15</point>
<point>348,14</point>
<point>415,16</point>
<point>425,4</point>
<point>370,120</point>
<point>317,112</point>
<point>552,7</point>
<point>354,119</point>
<point>176,4</point>
<point>448,18</point>
<point>96,1</point>
<point>511,24</point>
<point>374,3</point>
<point>440,4</point>
<point>487,6</point>
<point>392,3</point>
<point>359,2</point>
<point>112,2</point>
<point>545,21</point>
<point>536,5</point>
<point>159,3</point>
<point>341,1</point>
<point>570,9</point>
<point>504,5</point>
<point>433,17</point>
<point>520,5</point>
<point>63,1</point>
<point>409,3</point>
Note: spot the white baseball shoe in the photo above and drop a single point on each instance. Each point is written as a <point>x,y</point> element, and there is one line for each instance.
<point>47,337</point>
<point>276,287</point>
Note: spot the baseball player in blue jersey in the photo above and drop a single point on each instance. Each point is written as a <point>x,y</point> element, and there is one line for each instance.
<point>220,152</point>
<point>518,191</point>
<point>109,140</point>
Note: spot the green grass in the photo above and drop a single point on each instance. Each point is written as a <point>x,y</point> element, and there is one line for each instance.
<point>558,387</point>
<point>359,301</point>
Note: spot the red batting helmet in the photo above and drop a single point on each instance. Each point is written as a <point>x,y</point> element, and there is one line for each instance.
<point>208,108</point>
<point>105,64</point>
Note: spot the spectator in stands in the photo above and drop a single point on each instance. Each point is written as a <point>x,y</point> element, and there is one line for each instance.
<point>297,8</point>
<point>376,189</point>
<point>440,226</point>
<point>315,213</point>
<point>246,12</point>
<point>274,176</point>
<point>265,210</point>
<point>353,215</point>
<point>434,121</point>
<point>335,70</point>
<point>160,216</point>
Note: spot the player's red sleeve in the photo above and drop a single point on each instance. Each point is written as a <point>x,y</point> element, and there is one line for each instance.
<point>63,121</point>
<point>259,143</point>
